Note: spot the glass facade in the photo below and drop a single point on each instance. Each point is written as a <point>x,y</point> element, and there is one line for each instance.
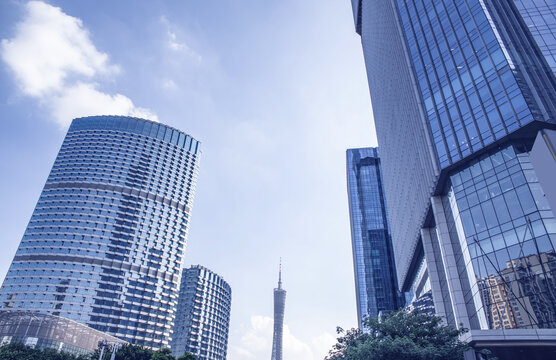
<point>408,159</point>
<point>508,242</point>
<point>203,316</point>
<point>540,18</point>
<point>50,332</point>
<point>106,241</point>
<point>469,90</point>
<point>373,260</point>
<point>462,91</point>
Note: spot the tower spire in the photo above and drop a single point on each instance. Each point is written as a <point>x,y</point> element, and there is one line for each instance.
<point>280,275</point>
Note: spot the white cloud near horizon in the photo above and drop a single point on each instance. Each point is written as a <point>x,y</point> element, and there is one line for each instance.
<point>55,61</point>
<point>256,343</point>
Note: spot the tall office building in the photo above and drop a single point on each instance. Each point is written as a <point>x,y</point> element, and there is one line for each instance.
<point>373,260</point>
<point>464,97</point>
<point>279,307</point>
<point>106,241</point>
<point>203,315</point>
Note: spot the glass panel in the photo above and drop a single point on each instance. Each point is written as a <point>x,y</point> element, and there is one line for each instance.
<point>181,140</point>
<point>501,209</point>
<point>147,128</point>
<point>526,200</point>
<point>154,130</point>
<point>175,136</point>
<point>513,204</point>
<point>168,135</point>
<point>161,132</point>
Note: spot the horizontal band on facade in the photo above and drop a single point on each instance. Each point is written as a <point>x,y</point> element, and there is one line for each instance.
<point>119,265</point>
<point>121,189</point>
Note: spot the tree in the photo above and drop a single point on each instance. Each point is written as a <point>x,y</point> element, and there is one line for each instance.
<point>163,354</point>
<point>19,351</point>
<point>187,356</point>
<point>133,352</point>
<point>126,352</point>
<point>401,335</point>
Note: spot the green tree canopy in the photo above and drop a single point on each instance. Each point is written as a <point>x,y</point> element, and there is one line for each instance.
<point>19,351</point>
<point>401,335</point>
<point>163,354</point>
<point>132,352</point>
<point>187,356</point>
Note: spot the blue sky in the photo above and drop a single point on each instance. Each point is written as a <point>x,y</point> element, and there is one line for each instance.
<point>275,91</point>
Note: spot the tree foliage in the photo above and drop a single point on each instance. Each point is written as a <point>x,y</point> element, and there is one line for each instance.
<point>19,351</point>
<point>401,335</point>
<point>136,352</point>
<point>187,356</point>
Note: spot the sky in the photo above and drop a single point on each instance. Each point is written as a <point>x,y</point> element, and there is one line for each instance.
<point>276,92</point>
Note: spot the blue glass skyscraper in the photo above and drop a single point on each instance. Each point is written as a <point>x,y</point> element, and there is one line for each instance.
<point>373,260</point>
<point>464,96</point>
<point>106,241</point>
<point>203,315</point>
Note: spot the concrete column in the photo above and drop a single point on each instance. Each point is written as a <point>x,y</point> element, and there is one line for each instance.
<point>449,261</point>
<point>435,271</point>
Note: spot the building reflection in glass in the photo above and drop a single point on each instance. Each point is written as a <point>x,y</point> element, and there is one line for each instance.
<point>523,295</point>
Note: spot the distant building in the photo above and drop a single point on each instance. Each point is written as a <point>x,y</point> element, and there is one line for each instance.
<point>44,331</point>
<point>376,287</point>
<point>203,315</point>
<point>279,307</point>
<point>106,241</point>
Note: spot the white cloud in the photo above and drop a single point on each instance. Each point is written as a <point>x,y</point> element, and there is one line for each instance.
<point>176,44</point>
<point>55,61</point>
<point>84,99</point>
<point>169,84</point>
<point>322,344</point>
<point>256,343</point>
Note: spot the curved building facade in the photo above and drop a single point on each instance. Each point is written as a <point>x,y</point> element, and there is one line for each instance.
<point>106,241</point>
<point>203,316</point>
<point>50,332</point>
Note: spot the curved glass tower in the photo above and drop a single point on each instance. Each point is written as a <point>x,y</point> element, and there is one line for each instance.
<point>106,241</point>
<point>203,315</point>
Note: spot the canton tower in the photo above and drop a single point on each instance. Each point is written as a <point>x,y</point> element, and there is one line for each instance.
<point>279,305</point>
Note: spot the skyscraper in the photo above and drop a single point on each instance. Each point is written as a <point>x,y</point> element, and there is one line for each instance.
<point>106,241</point>
<point>464,96</point>
<point>279,307</point>
<point>373,260</point>
<point>203,315</point>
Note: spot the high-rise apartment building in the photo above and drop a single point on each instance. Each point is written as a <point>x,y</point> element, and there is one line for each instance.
<point>373,260</point>
<point>279,307</point>
<point>203,315</point>
<point>106,241</point>
<point>464,102</point>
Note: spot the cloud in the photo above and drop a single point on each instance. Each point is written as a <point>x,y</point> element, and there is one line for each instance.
<point>176,44</point>
<point>256,343</point>
<point>169,84</point>
<point>323,343</point>
<point>84,99</point>
<point>54,60</point>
